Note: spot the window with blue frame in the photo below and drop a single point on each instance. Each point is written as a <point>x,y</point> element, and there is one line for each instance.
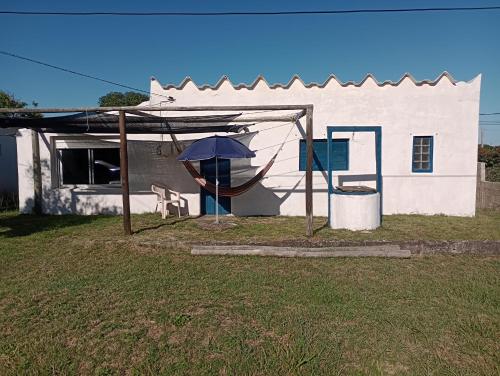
<point>339,155</point>
<point>422,153</point>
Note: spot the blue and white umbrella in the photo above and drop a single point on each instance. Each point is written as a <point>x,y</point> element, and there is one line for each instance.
<point>215,147</point>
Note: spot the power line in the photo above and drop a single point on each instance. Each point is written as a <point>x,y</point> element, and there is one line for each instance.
<point>250,13</point>
<point>170,99</point>
<point>10,54</point>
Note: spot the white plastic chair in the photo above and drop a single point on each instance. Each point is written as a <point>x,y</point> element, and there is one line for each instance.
<point>161,199</point>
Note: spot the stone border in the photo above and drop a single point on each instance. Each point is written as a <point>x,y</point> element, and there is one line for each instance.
<point>388,251</point>
<point>416,247</point>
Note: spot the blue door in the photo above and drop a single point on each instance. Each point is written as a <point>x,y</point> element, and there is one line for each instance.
<point>207,170</point>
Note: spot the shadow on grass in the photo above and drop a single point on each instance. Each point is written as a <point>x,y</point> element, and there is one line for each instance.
<point>17,225</point>
<point>322,227</point>
<point>163,224</point>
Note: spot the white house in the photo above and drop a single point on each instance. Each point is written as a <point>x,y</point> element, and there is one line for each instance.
<point>428,155</point>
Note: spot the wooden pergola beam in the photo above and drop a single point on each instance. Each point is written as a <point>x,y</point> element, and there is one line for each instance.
<point>243,118</point>
<point>284,107</point>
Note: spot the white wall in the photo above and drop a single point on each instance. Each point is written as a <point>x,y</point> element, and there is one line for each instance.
<point>91,199</point>
<point>443,109</point>
<point>448,111</point>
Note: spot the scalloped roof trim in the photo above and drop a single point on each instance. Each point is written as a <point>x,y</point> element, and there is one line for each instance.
<point>332,77</point>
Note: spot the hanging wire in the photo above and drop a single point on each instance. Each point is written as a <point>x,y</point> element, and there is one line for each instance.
<point>244,13</point>
<point>286,138</point>
<point>271,128</point>
<point>271,146</point>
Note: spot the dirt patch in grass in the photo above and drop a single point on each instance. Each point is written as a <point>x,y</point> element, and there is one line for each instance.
<point>208,223</point>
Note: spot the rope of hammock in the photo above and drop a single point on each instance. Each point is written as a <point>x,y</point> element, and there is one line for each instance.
<point>229,191</point>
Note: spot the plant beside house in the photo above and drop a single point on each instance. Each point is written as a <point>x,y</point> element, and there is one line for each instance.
<point>490,155</point>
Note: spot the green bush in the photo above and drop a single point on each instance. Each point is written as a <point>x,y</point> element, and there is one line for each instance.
<point>493,173</point>
<point>490,155</point>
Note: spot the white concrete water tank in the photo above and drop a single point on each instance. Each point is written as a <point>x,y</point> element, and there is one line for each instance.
<point>354,210</point>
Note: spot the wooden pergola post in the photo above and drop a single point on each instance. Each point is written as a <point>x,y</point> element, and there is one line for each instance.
<point>37,173</point>
<point>127,226</point>
<point>309,174</point>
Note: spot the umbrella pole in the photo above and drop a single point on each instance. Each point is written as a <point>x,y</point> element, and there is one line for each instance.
<point>216,191</point>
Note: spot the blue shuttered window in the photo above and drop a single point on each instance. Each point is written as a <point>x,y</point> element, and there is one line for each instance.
<point>422,153</point>
<point>339,155</point>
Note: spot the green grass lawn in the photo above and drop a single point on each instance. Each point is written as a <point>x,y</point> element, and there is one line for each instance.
<point>77,297</point>
<point>485,226</point>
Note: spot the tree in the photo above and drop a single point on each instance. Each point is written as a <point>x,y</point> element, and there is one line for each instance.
<point>9,101</point>
<point>490,155</point>
<point>116,98</point>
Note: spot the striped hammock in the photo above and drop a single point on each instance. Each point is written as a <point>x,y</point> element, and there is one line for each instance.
<point>227,191</point>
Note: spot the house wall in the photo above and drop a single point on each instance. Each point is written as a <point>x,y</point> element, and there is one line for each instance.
<point>8,163</point>
<point>443,108</point>
<point>95,199</point>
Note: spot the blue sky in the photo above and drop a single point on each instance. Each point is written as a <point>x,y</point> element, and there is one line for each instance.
<point>131,50</point>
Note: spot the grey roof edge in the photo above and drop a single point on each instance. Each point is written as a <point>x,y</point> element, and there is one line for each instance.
<point>296,77</point>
